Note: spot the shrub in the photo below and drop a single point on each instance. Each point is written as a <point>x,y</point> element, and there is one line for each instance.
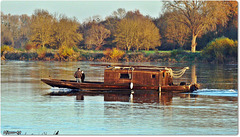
<point>41,52</point>
<point>6,48</point>
<point>221,50</point>
<point>65,52</point>
<point>30,46</point>
<point>114,54</point>
<point>176,52</point>
<point>107,52</point>
<point>75,48</point>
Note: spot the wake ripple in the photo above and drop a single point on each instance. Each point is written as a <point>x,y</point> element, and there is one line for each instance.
<point>217,92</point>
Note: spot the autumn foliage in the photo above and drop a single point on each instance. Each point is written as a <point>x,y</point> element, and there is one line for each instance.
<point>114,54</point>
<point>136,32</point>
<point>41,51</point>
<point>65,51</point>
<point>221,49</point>
<point>6,48</point>
<point>187,25</point>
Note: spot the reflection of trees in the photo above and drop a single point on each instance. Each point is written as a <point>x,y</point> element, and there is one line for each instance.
<point>211,76</point>
<point>194,76</point>
<point>218,76</point>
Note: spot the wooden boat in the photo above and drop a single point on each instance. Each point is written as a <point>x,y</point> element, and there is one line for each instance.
<point>125,77</point>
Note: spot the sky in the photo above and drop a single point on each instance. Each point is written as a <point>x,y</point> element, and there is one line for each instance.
<point>80,9</point>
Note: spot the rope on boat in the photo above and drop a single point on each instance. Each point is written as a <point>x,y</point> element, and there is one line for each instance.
<point>177,74</point>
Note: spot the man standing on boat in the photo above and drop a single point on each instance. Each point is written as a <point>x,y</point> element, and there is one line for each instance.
<point>78,75</point>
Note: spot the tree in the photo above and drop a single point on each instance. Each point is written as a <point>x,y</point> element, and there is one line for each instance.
<point>111,22</point>
<point>15,30</point>
<point>150,35</point>
<point>120,13</point>
<point>41,27</point>
<point>233,8</point>
<point>198,16</point>
<point>174,32</point>
<point>6,33</point>
<point>24,33</point>
<point>136,32</point>
<point>96,36</point>
<point>125,34</point>
<point>66,32</point>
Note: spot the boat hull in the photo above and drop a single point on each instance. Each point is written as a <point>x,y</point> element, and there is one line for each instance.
<point>100,86</point>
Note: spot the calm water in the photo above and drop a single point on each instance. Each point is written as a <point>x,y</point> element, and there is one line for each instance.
<point>209,111</point>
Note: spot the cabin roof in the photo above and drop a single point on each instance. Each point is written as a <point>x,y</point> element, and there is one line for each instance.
<point>135,67</point>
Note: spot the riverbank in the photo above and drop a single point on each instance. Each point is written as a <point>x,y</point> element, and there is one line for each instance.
<point>173,56</point>
<point>84,55</point>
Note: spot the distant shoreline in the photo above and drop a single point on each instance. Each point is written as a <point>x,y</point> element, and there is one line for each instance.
<point>174,56</point>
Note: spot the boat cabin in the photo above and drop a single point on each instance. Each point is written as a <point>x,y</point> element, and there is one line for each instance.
<point>138,76</point>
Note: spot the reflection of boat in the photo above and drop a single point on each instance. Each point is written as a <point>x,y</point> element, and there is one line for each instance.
<point>164,98</point>
<point>125,77</point>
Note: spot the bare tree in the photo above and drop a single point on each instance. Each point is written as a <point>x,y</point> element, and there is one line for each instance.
<point>174,32</point>
<point>96,35</point>
<point>120,13</point>
<point>198,16</point>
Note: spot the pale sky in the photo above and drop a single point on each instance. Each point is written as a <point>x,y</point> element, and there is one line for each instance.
<point>81,9</point>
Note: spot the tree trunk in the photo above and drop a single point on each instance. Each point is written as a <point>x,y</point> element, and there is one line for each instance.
<point>128,48</point>
<point>43,44</point>
<point>98,47</point>
<point>194,44</point>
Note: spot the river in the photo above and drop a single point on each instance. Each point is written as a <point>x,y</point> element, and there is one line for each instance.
<point>211,110</point>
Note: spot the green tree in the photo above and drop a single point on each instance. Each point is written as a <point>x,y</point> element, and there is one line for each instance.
<point>221,50</point>
<point>198,16</point>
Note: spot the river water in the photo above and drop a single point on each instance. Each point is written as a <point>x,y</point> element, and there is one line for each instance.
<point>211,110</point>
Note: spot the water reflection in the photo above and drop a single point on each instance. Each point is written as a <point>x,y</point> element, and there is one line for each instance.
<point>194,76</point>
<point>164,98</point>
<point>211,110</point>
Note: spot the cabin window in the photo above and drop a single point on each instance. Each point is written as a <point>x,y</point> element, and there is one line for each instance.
<point>153,76</point>
<point>125,76</point>
<point>163,74</point>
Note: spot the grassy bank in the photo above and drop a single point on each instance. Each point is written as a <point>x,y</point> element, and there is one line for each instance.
<point>111,55</point>
<point>86,55</point>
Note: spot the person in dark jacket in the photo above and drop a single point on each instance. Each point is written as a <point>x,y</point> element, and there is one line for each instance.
<point>83,76</point>
<point>78,75</point>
